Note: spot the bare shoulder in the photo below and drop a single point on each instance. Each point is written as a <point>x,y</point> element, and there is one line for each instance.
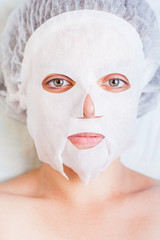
<point>152,195</point>
<point>149,201</point>
<point>22,185</point>
<point>18,207</point>
<point>17,196</point>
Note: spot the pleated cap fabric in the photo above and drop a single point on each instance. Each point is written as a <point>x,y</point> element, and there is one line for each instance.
<point>31,14</point>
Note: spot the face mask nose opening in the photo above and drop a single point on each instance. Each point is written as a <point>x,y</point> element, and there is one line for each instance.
<point>88,108</point>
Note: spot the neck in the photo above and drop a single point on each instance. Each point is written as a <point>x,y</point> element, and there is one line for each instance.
<point>115,182</point>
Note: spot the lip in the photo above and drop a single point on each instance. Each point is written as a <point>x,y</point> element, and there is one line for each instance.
<point>85,140</point>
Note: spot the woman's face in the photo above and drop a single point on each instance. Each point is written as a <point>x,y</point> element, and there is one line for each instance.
<point>83,72</point>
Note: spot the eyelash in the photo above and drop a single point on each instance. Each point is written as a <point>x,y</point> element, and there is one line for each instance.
<point>65,83</point>
<point>48,83</point>
<point>120,80</point>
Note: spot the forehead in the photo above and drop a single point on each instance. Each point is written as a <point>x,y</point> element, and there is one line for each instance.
<point>85,36</point>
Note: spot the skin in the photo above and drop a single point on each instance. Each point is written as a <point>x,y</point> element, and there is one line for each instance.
<point>119,204</point>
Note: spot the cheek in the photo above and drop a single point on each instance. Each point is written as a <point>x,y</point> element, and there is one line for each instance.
<point>119,105</point>
<point>49,109</point>
<point>119,125</point>
<point>120,112</point>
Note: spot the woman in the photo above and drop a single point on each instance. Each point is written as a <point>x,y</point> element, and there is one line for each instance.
<point>80,78</point>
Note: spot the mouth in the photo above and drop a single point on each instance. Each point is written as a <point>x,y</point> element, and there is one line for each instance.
<point>86,140</point>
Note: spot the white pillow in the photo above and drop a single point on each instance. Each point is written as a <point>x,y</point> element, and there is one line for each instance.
<point>17,150</point>
<point>144,156</point>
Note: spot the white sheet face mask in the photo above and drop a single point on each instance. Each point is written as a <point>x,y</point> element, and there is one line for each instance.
<point>69,90</point>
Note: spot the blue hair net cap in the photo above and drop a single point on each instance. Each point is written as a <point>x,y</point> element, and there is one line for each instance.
<point>27,17</point>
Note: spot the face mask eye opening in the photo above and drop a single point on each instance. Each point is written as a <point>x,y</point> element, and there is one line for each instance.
<point>114,83</point>
<point>57,83</point>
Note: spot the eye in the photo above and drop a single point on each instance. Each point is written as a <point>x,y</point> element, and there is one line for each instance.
<point>114,82</point>
<point>57,83</point>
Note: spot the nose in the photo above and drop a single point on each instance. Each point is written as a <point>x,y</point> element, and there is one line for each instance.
<point>88,108</point>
